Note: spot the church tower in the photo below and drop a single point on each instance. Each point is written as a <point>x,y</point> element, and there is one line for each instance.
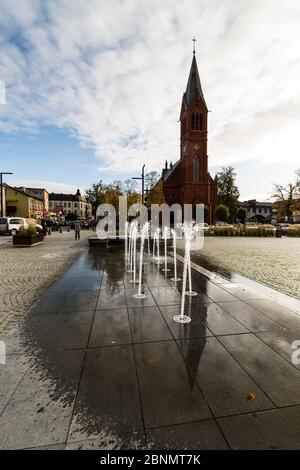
<point>188,181</point>
<point>193,138</point>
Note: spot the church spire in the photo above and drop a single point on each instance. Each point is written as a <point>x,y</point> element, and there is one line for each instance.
<point>193,87</point>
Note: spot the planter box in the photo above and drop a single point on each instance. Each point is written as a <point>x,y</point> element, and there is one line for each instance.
<point>19,240</point>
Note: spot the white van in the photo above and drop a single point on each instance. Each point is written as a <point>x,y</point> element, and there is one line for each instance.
<point>15,223</point>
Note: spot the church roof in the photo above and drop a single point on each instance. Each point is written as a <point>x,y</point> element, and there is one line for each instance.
<point>167,173</point>
<point>193,87</point>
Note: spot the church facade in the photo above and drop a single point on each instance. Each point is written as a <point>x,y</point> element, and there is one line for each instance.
<point>188,181</point>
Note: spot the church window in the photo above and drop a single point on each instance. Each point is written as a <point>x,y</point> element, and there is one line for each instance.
<point>201,122</point>
<point>193,121</point>
<point>196,168</point>
<point>197,121</point>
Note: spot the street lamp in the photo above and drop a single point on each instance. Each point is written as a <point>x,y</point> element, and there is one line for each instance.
<point>1,187</point>
<point>142,177</point>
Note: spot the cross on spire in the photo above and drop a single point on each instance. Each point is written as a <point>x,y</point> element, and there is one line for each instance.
<point>194,45</point>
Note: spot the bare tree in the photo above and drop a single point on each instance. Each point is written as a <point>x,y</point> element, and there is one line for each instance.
<point>151,179</point>
<point>129,187</point>
<point>287,196</point>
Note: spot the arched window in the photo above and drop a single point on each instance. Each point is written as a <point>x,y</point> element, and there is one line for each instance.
<point>196,168</point>
<point>197,121</point>
<point>201,122</point>
<point>193,121</point>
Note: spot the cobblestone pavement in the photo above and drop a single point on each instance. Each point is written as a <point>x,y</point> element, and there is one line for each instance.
<point>272,261</point>
<point>26,272</point>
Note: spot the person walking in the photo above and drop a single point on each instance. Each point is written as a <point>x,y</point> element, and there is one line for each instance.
<point>77,228</point>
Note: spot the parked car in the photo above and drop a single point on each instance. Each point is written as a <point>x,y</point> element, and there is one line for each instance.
<point>70,223</point>
<point>12,225</point>
<point>3,225</point>
<point>204,226</point>
<point>85,225</point>
<point>284,228</point>
<point>53,224</point>
<point>220,223</point>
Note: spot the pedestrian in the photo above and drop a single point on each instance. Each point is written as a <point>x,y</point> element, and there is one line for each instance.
<point>77,228</point>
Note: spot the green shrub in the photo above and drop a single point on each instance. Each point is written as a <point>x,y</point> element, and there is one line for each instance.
<point>23,231</point>
<point>241,231</point>
<point>31,231</point>
<point>222,212</point>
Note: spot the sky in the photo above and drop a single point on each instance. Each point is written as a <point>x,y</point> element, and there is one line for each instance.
<point>92,89</point>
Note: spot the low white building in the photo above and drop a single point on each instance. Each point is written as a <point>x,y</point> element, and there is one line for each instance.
<point>71,204</point>
<point>257,211</point>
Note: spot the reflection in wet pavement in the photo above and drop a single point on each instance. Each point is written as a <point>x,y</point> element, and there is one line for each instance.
<point>93,368</point>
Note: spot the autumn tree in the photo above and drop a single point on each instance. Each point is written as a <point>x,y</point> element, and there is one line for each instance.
<point>154,188</point>
<point>95,194</point>
<point>227,190</point>
<point>286,197</point>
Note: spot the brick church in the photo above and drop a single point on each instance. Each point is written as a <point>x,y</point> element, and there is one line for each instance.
<point>188,180</point>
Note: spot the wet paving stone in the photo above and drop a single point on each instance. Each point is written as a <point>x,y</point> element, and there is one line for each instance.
<point>156,279</point>
<point>169,395</point>
<point>148,324</point>
<point>227,388</point>
<point>51,302</point>
<point>111,441</point>
<point>217,294</point>
<point>81,300</point>
<point>204,435</point>
<point>110,327</point>
<point>273,374</point>
<point>165,295</point>
<point>84,383</point>
<point>111,298</point>
<point>72,284</point>
<point>40,410</point>
<point>281,341</point>
<point>59,331</point>
<point>108,400</point>
<point>274,429</point>
<point>276,312</point>
<point>249,317</point>
<point>195,329</point>
<point>221,323</point>
<point>132,302</point>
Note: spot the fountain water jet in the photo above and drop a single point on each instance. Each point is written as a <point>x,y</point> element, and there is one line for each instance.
<point>166,234</point>
<point>145,231</point>
<point>130,257</point>
<point>126,241</point>
<point>156,259</point>
<point>175,278</point>
<point>190,233</point>
<point>184,318</point>
<point>134,237</point>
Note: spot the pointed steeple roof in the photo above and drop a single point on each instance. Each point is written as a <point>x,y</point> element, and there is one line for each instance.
<point>193,87</point>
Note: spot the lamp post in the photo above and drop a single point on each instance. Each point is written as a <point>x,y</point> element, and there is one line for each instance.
<point>142,177</point>
<point>1,187</point>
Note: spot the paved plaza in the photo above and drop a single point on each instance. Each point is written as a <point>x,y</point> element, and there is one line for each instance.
<point>26,272</point>
<point>273,261</point>
<point>90,367</point>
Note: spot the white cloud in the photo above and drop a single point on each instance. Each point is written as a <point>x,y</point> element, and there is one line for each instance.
<point>113,73</point>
